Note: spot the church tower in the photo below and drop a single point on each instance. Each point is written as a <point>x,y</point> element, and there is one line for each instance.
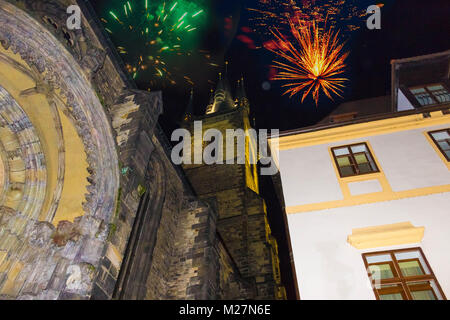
<point>233,190</point>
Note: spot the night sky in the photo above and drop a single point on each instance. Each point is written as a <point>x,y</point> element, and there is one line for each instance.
<point>408,28</point>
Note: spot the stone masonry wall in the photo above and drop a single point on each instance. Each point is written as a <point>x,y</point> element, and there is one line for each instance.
<point>203,269</point>
<point>241,221</point>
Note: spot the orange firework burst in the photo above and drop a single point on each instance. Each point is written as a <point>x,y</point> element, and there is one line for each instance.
<point>313,67</point>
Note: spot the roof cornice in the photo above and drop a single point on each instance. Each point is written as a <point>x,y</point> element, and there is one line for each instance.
<point>362,129</point>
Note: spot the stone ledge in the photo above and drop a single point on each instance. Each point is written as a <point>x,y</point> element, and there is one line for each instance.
<point>385,235</point>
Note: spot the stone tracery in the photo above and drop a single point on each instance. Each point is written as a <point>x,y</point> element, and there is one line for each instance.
<point>31,248</point>
<point>26,171</point>
<point>62,72</point>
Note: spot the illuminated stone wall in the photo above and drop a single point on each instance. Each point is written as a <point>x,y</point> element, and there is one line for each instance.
<point>232,189</point>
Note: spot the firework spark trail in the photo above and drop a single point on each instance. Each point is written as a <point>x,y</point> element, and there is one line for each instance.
<point>150,31</point>
<point>345,14</point>
<point>313,67</point>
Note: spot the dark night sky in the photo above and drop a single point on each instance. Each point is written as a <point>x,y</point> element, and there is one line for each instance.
<point>409,28</point>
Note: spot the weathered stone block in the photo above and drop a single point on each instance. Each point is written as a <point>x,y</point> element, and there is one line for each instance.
<point>91,251</point>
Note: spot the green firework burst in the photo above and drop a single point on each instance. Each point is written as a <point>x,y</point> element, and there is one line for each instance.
<point>149,32</point>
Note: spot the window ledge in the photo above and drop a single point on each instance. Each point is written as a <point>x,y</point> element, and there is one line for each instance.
<point>385,235</point>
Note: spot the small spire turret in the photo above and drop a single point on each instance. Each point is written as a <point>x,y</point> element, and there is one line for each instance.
<point>222,96</point>
<point>210,106</point>
<point>241,95</point>
<point>189,114</point>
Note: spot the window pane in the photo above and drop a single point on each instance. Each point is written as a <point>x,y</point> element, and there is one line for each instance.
<point>440,93</point>
<point>365,168</point>
<point>381,271</point>
<point>422,96</point>
<point>410,268</point>
<point>343,161</point>
<point>444,145</point>
<point>424,290</point>
<point>447,153</point>
<point>443,97</point>
<point>423,295</point>
<point>435,87</point>
<point>440,135</point>
<point>361,158</point>
<point>391,292</point>
<point>375,258</point>
<point>428,100</point>
<point>359,148</point>
<point>341,151</point>
<point>393,296</point>
<point>346,171</point>
<point>418,90</point>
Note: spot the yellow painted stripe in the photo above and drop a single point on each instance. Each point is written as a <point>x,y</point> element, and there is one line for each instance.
<point>368,198</point>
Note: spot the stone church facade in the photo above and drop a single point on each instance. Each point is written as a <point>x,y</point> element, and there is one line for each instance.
<point>91,206</point>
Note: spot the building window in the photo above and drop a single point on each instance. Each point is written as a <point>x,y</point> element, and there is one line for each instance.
<point>402,275</point>
<point>354,160</point>
<point>431,94</point>
<point>442,140</point>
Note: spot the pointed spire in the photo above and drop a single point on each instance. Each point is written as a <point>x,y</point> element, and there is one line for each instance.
<point>220,83</point>
<point>211,96</point>
<point>219,95</point>
<point>241,95</point>
<point>243,86</point>
<point>238,88</point>
<point>210,106</point>
<point>223,99</point>
<point>254,122</point>
<point>188,115</point>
